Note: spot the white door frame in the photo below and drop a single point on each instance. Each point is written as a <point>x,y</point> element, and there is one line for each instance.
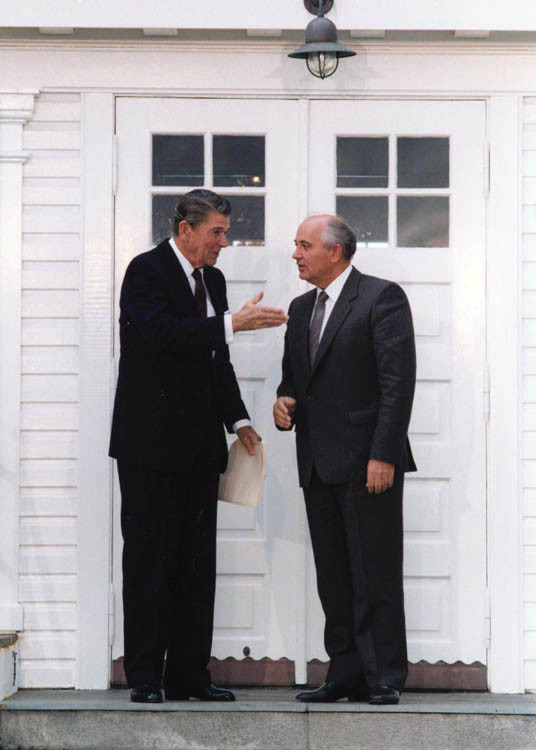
<point>504,488</point>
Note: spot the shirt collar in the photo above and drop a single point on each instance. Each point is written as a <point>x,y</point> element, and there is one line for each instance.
<point>334,289</point>
<point>183,260</point>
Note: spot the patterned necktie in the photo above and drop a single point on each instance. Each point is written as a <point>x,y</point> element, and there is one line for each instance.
<point>200,293</point>
<point>316,326</point>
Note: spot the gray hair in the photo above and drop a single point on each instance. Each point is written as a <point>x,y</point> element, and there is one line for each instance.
<point>338,232</point>
<point>196,205</point>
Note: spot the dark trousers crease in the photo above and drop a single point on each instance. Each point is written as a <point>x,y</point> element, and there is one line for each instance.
<point>169,572</point>
<point>357,543</point>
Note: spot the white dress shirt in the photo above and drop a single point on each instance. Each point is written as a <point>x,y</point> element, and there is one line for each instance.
<point>227,319</point>
<point>333,291</point>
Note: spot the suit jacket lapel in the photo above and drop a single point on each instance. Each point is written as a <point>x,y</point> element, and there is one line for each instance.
<point>177,278</point>
<point>338,314</point>
<point>212,286</point>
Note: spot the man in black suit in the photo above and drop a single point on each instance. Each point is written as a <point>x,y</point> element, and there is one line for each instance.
<point>347,386</point>
<point>176,391</point>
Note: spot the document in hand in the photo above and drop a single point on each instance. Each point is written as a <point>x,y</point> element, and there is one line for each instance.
<point>243,481</point>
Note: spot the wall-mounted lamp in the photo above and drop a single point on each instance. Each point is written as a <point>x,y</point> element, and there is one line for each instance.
<point>321,50</point>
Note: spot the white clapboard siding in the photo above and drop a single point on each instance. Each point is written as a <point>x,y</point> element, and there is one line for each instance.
<point>49,392</point>
<point>529,389</point>
<point>37,246</point>
<point>34,673</point>
<point>44,387</point>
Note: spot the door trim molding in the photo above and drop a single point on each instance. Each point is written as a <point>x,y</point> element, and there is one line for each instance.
<point>96,342</point>
<point>505,542</point>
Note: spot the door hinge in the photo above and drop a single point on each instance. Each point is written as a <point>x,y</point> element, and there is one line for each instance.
<point>486,169</point>
<point>111,614</point>
<point>115,164</point>
<point>487,618</point>
<point>486,394</point>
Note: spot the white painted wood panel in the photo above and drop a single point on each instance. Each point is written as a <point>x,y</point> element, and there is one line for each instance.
<point>50,332</point>
<point>59,247</point>
<point>48,501</point>
<point>47,561</point>
<point>50,617</point>
<point>50,304</point>
<point>47,673</point>
<point>49,416</point>
<point>53,588</point>
<point>49,392</point>
<point>528,437</point>
<point>48,473</point>
<point>50,359</point>
<point>49,444</point>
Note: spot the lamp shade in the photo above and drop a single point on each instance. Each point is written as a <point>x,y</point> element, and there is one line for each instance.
<point>322,49</point>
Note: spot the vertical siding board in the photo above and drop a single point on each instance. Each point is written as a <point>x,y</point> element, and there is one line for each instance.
<point>51,254</point>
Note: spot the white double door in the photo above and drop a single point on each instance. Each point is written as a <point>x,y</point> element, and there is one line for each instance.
<point>409,174</point>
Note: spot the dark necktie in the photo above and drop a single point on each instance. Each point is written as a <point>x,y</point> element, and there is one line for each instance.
<point>316,326</point>
<point>200,293</point>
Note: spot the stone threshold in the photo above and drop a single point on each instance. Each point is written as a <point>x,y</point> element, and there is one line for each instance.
<point>274,700</point>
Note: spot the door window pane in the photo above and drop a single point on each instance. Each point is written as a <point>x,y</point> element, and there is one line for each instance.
<point>362,162</point>
<point>423,162</point>
<point>247,220</point>
<point>238,160</point>
<point>422,222</point>
<point>369,218</point>
<point>178,160</point>
<point>163,211</point>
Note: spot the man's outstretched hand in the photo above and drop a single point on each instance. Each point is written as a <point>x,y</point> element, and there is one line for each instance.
<point>283,410</point>
<point>248,438</point>
<point>253,316</point>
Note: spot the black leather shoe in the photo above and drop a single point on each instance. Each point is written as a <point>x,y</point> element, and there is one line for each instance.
<point>326,693</point>
<point>384,695</point>
<point>205,693</point>
<point>145,694</point>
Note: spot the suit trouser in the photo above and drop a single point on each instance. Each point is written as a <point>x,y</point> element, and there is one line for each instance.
<point>169,572</point>
<point>358,550</point>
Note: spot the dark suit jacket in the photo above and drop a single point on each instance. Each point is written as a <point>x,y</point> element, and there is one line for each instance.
<point>173,396</point>
<point>355,403</point>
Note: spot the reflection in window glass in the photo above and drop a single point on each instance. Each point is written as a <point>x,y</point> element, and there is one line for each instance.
<point>423,162</point>
<point>238,160</point>
<point>362,162</point>
<point>422,221</point>
<point>369,218</point>
<point>178,160</point>
<point>163,211</point>
<point>247,220</point>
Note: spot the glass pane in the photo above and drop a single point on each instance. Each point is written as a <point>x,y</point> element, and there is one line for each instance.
<point>422,222</point>
<point>178,160</point>
<point>423,162</point>
<point>163,211</point>
<point>247,219</point>
<point>362,162</point>
<point>368,217</point>
<point>238,160</point>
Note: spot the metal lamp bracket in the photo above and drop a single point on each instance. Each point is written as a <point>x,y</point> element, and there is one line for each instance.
<point>313,6</point>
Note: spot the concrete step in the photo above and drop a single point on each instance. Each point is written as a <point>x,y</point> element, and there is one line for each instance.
<point>265,719</point>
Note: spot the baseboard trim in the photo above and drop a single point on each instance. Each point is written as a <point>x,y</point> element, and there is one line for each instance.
<point>266,672</point>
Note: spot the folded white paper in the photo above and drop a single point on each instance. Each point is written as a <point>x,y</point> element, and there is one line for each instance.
<point>243,481</point>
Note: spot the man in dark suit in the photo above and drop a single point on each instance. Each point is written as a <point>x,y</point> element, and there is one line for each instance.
<point>347,386</point>
<point>176,391</point>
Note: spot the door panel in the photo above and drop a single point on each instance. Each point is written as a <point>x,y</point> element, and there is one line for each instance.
<point>246,150</point>
<point>409,177</point>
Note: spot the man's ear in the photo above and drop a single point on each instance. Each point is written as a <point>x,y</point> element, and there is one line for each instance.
<point>336,252</point>
<point>184,227</point>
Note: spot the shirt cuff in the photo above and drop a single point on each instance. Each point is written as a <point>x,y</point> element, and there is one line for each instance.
<point>241,423</point>
<point>228,323</point>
